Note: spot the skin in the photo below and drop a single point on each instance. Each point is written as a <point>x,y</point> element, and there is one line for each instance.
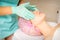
<point>5,10</point>
<point>28,28</point>
<point>41,23</point>
<point>9,12</point>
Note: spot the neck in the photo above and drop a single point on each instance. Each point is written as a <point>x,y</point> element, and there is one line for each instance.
<point>44,28</point>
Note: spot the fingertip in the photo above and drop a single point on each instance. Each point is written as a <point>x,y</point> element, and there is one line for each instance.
<point>28,3</point>
<point>33,16</point>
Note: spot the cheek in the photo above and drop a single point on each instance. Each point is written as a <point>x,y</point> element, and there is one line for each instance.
<point>27,27</point>
<point>42,16</point>
<point>24,23</point>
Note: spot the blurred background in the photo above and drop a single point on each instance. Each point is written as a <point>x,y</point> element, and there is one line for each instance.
<point>50,7</point>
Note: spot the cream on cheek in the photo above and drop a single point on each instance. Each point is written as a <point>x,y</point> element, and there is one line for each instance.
<point>28,28</point>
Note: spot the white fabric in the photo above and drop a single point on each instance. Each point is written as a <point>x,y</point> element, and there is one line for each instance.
<point>56,35</point>
<point>52,24</point>
<point>19,35</point>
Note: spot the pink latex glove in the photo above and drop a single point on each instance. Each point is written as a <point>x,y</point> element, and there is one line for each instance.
<point>27,27</point>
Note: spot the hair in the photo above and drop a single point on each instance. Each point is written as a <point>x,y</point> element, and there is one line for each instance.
<point>19,1</point>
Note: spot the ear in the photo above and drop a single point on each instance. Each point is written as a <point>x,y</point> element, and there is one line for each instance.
<point>57,26</point>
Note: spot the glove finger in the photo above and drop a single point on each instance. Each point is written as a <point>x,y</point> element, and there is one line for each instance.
<point>32,8</point>
<point>26,13</point>
<point>29,6</point>
<point>25,4</point>
<point>32,5</point>
<point>30,15</point>
<point>26,18</point>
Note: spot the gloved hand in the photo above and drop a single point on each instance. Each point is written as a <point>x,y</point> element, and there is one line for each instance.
<point>29,7</point>
<point>22,12</point>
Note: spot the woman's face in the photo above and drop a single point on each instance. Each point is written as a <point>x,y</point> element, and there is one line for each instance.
<point>39,17</point>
